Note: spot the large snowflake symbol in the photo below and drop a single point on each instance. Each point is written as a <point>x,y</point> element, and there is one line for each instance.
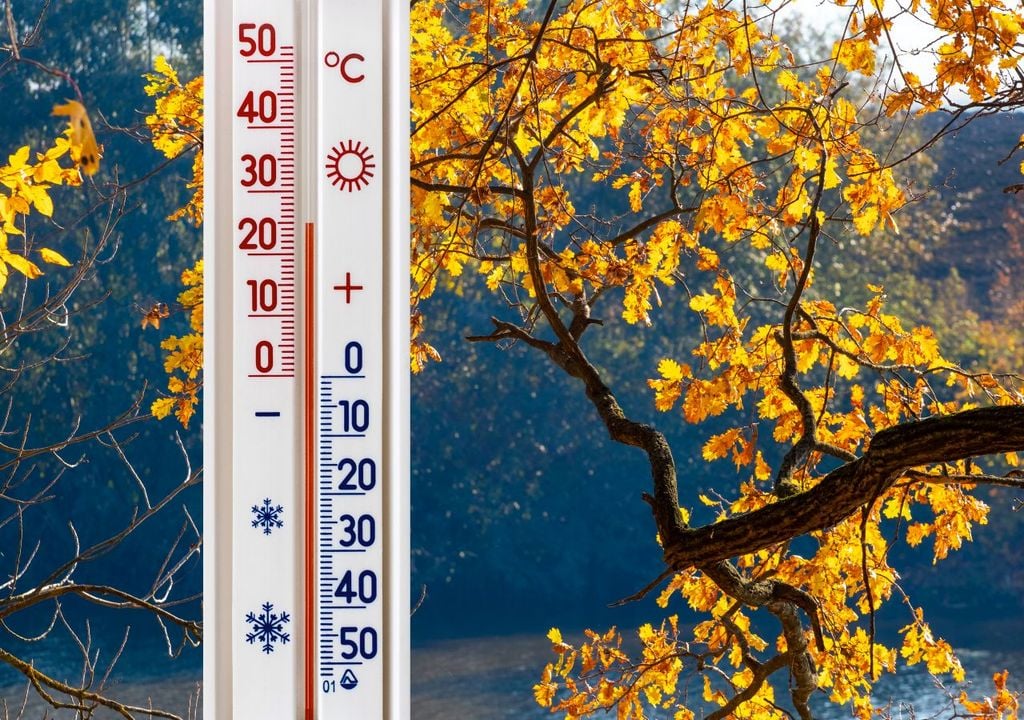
<point>268,627</point>
<point>267,516</point>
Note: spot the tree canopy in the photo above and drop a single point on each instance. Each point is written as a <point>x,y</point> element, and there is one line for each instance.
<point>609,162</point>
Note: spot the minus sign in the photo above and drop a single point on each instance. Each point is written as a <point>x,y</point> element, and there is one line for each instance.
<point>267,413</point>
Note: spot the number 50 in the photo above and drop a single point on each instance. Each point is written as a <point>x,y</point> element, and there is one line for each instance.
<point>363,644</point>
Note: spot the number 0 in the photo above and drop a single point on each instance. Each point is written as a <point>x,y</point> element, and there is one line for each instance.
<point>353,358</point>
<point>264,356</point>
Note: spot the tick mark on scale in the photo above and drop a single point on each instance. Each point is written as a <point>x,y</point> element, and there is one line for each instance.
<point>268,413</point>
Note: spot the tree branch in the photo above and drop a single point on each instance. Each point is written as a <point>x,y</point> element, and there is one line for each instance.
<point>843,491</point>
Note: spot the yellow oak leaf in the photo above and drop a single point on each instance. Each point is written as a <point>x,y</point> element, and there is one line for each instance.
<point>53,257</point>
<point>81,135</point>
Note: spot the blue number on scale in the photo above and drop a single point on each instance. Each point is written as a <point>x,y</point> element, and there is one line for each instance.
<point>361,530</point>
<point>353,358</point>
<point>357,475</point>
<point>355,415</point>
<point>363,587</point>
<point>363,644</point>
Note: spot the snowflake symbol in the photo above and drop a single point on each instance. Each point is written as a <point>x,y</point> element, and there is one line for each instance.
<point>267,516</point>
<point>268,628</point>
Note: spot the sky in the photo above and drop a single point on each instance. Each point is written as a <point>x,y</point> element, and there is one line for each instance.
<point>911,35</point>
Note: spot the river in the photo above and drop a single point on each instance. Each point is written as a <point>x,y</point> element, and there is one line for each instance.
<point>492,679</point>
<point>144,675</point>
<point>487,678</point>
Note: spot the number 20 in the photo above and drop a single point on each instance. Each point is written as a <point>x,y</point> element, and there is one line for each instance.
<point>363,473</point>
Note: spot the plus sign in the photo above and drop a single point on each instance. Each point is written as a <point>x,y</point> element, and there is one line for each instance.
<point>348,288</point>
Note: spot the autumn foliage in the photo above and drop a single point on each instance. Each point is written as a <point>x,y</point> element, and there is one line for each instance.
<point>27,183</point>
<point>176,127</point>
<point>587,154</point>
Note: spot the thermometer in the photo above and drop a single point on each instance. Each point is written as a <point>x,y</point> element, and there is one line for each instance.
<point>306,595</point>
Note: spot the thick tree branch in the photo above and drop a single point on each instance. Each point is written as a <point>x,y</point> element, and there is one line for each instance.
<point>892,453</point>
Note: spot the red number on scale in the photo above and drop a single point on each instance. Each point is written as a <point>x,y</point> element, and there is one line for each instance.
<point>263,106</point>
<point>264,356</point>
<point>262,170</point>
<point>264,294</point>
<point>262,231</point>
<point>262,39</point>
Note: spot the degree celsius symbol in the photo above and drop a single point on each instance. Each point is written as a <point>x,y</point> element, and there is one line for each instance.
<point>335,60</point>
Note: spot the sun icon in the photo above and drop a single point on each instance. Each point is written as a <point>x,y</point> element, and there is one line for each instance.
<point>350,166</point>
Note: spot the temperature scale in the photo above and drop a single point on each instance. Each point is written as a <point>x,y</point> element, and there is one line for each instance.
<point>306,596</point>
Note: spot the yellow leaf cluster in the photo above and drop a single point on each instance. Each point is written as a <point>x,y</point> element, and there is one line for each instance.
<point>25,185</point>
<point>176,127</point>
<point>600,676</point>
<point>920,645</point>
<point>955,511</point>
<point>421,351</point>
<point>184,359</point>
<point>977,44</point>
<point>1004,704</point>
<point>844,344</point>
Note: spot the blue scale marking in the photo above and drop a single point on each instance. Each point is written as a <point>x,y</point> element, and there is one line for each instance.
<point>327,544</point>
